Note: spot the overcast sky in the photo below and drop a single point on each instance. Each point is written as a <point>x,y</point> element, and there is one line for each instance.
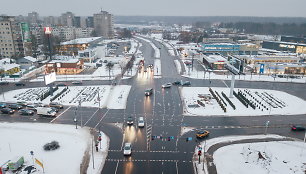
<point>274,8</point>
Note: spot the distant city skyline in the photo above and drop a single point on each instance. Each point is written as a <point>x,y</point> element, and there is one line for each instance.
<point>261,8</point>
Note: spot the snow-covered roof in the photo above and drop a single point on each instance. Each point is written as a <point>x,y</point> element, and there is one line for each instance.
<point>215,58</point>
<point>65,61</point>
<point>80,41</point>
<point>32,59</point>
<point>8,66</point>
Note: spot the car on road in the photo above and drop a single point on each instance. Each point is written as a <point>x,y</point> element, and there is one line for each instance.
<point>149,91</point>
<point>176,82</point>
<point>141,122</point>
<point>186,83</point>
<point>26,112</point>
<point>297,128</point>
<point>2,105</point>
<point>7,111</point>
<point>20,84</point>
<point>127,150</point>
<point>77,82</point>
<point>56,105</point>
<point>129,120</point>
<point>4,83</point>
<point>15,106</point>
<point>167,85</point>
<point>202,134</point>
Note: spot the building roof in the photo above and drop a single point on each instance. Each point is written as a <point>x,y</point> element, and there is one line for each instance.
<point>65,61</point>
<point>80,41</point>
<point>32,59</point>
<point>8,66</point>
<point>215,58</point>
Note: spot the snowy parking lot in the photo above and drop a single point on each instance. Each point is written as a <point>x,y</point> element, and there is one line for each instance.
<point>200,101</point>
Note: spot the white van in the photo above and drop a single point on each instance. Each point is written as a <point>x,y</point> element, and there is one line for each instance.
<point>141,122</point>
<point>46,111</point>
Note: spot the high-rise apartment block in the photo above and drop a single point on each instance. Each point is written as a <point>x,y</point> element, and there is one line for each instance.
<point>103,24</point>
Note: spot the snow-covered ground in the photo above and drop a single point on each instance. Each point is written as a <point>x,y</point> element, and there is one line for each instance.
<point>244,158</point>
<point>19,139</point>
<point>178,66</point>
<point>157,68</point>
<point>282,103</point>
<point>90,96</point>
<point>156,50</point>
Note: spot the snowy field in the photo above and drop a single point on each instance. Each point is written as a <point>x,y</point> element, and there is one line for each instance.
<point>274,158</point>
<point>244,158</point>
<point>112,97</point>
<point>198,101</point>
<point>75,144</point>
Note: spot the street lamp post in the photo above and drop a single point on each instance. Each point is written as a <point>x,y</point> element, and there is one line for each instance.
<point>76,123</point>
<point>267,125</point>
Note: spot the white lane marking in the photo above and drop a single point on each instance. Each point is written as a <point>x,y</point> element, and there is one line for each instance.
<point>116,167</point>
<point>224,83</point>
<point>60,115</point>
<point>91,116</point>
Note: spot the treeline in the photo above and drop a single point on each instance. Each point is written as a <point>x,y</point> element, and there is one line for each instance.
<point>268,28</point>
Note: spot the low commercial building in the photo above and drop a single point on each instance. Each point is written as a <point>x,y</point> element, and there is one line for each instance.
<point>285,46</point>
<point>8,67</point>
<point>215,62</point>
<point>66,67</point>
<point>255,59</point>
<point>228,48</point>
<point>26,62</point>
<point>72,47</point>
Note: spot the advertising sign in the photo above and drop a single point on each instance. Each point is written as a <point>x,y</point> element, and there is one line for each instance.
<point>50,78</point>
<point>25,30</point>
<point>262,68</point>
<point>47,30</point>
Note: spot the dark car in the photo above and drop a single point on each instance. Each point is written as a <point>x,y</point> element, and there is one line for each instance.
<point>32,107</point>
<point>202,134</point>
<point>149,91</point>
<point>61,84</point>
<point>129,120</point>
<point>7,111</point>
<point>187,83</point>
<point>51,146</point>
<point>177,83</point>
<point>298,128</point>
<point>26,112</point>
<point>20,84</point>
<point>76,82</point>
<point>2,105</point>
<point>15,106</point>
<point>4,83</point>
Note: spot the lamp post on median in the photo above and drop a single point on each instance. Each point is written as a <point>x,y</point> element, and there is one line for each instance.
<point>76,123</point>
<point>267,125</point>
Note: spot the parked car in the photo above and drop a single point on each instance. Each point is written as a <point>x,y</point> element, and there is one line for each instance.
<point>29,169</point>
<point>20,84</point>
<point>61,84</point>
<point>4,83</point>
<point>26,112</point>
<point>202,134</point>
<point>176,82</point>
<point>22,103</point>
<point>127,150</point>
<point>76,82</point>
<point>15,106</point>
<point>2,105</point>
<point>7,111</point>
<point>56,105</point>
<point>51,146</point>
<point>167,85</point>
<point>298,128</point>
<point>187,83</point>
<point>129,120</point>
<point>149,91</point>
<point>32,107</point>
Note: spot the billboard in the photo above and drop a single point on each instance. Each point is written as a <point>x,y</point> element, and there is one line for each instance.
<point>25,30</point>
<point>47,30</point>
<point>262,68</point>
<point>50,78</point>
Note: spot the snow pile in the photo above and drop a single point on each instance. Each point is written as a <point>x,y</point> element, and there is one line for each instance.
<point>266,157</point>
<point>199,101</point>
<point>157,68</point>
<point>21,138</point>
<point>178,66</point>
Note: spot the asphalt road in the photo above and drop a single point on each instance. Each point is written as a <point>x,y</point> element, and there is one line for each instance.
<point>163,117</point>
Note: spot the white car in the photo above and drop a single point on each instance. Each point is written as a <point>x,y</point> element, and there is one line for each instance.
<point>167,85</point>
<point>127,150</point>
<point>141,122</point>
